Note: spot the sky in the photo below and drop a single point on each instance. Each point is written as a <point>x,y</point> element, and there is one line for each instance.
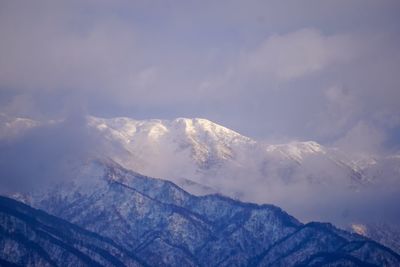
<point>273,70</point>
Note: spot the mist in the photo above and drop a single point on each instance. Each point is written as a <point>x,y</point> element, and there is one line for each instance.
<point>275,71</point>
<point>48,153</point>
<point>45,154</point>
<point>272,71</point>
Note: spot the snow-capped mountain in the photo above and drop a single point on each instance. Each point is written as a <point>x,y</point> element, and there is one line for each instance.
<point>214,156</point>
<point>160,224</point>
<point>11,127</point>
<point>204,157</point>
<point>309,180</point>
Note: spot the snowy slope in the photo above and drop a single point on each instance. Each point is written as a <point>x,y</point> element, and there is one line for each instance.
<point>30,237</point>
<point>162,225</point>
<point>202,157</point>
<point>304,178</point>
<point>208,153</point>
<point>12,127</point>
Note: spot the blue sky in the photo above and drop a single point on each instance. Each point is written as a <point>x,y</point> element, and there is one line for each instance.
<point>273,70</point>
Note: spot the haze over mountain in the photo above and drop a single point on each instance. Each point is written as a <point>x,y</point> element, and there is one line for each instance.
<point>309,180</point>
<point>132,220</point>
<point>286,103</point>
<point>270,70</point>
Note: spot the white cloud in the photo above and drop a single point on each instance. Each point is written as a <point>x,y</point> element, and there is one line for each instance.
<point>362,138</point>
<point>45,52</point>
<point>299,53</point>
<point>215,60</point>
<point>341,110</point>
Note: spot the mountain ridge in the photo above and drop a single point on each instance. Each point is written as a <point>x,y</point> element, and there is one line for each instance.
<point>46,234</point>
<point>161,224</point>
<point>300,177</point>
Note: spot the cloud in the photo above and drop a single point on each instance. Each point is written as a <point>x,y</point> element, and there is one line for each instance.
<point>340,112</point>
<point>300,53</point>
<point>260,68</point>
<point>44,153</point>
<point>43,48</point>
<point>363,138</point>
<point>318,188</point>
<point>267,69</point>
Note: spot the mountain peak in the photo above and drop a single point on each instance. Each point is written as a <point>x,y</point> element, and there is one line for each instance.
<point>200,126</point>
